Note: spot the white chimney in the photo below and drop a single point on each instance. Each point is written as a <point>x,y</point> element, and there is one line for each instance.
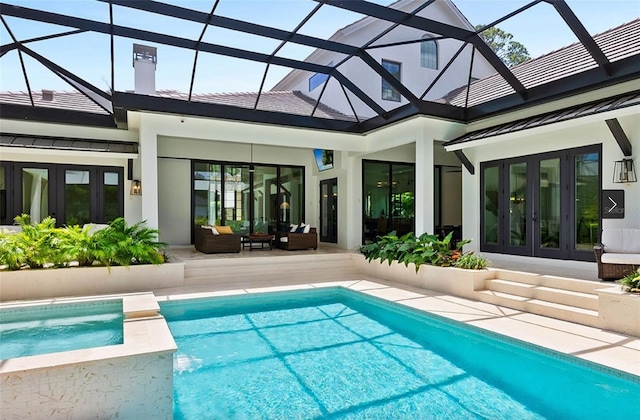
<point>144,63</point>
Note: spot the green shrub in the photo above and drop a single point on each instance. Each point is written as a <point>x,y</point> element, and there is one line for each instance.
<point>121,244</point>
<point>471,261</point>
<point>631,282</point>
<point>425,249</point>
<point>43,245</point>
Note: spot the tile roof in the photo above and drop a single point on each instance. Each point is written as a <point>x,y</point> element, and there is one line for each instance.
<point>577,111</point>
<point>290,102</point>
<point>60,143</point>
<point>616,43</point>
<point>68,100</point>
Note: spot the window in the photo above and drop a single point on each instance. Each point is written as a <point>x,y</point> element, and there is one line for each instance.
<point>318,79</point>
<point>429,53</point>
<point>389,93</point>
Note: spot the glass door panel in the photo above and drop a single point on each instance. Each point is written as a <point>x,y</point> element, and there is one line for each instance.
<point>587,204</point>
<point>35,193</point>
<point>518,204</point>
<point>402,198</point>
<point>265,188</point>
<point>491,210</point>
<point>291,197</point>
<point>235,207</point>
<point>111,196</point>
<point>4,202</point>
<point>207,190</point>
<point>77,197</point>
<point>329,210</point>
<point>549,203</point>
<point>376,200</point>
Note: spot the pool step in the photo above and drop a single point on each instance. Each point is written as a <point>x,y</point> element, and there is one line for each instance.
<point>555,297</point>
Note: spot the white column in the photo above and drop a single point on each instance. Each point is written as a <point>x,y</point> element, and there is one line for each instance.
<point>149,173</point>
<point>351,200</point>
<point>424,199</point>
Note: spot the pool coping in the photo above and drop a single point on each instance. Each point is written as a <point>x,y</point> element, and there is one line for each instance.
<point>613,351</point>
<point>145,332</point>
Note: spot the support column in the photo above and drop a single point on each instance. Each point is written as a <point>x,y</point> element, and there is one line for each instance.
<point>424,199</point>
<point>149,174</point>
<point>352,200</point>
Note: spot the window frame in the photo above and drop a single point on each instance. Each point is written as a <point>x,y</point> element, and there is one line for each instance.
<point>427,56</point>
<point>388,93</point>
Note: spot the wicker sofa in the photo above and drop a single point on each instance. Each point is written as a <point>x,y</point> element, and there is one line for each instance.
<point>208,243</point>
<point>293,241</point>
<point>618,253</point>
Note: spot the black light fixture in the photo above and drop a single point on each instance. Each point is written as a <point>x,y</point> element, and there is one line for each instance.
<point>624,171</point>
<point>136,187</point>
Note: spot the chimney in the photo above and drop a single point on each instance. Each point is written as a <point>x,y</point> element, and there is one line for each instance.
<point>47,95</point>
<point>144,63</point>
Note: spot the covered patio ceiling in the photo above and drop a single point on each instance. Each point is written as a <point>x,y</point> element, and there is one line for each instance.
<point>113,23</point>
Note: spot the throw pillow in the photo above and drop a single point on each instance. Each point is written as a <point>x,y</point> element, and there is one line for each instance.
<point>214,230</point>
<point>300,229</point>
<point>307,229</point>
<point>293,228</point>
<point>224,230</point>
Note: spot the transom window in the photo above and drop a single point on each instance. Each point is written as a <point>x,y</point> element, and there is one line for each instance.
<point>318,79</point>
<point>388,92</point>
<point>429,53</point>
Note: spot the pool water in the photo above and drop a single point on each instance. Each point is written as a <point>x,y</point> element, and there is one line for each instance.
<point>43,329</point>
<point>334,353</point>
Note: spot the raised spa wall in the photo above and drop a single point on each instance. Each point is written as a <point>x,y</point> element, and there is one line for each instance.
<point>129,380</point>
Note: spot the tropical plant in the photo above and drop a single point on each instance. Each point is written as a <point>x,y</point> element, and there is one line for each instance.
<point>122,244</point>
<point>77,244</point>
<point>11,254</point>
<point>471,261</point>
<point>631,282</point>
<point>425,249</point>
<point>38,242</point>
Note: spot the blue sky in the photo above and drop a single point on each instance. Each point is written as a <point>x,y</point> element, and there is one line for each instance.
<point>540,29</point>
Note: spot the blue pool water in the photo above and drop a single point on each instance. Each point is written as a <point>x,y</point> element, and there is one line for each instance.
<point>335,353</point>
<point>42,329</point>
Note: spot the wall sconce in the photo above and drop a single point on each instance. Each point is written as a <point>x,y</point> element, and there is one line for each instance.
<point>624,171</point>
<point>136,187</point>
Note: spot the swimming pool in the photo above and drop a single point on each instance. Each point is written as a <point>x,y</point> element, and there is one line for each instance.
<point>335,353</point>
<point>51,328</point>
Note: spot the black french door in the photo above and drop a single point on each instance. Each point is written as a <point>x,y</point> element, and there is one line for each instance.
<point>329,210</point>
<point>72,194</point>
<point>543,205</point>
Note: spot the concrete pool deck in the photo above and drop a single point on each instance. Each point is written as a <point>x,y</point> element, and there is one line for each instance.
<point>617,351</point>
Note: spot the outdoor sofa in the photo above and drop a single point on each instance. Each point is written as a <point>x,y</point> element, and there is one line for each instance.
<point>617,253</point>
<point>297,240</point>
<point>209,243</point>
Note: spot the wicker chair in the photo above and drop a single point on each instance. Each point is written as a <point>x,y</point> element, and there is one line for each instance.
<point>618,253</point>
<point>208,243</point>
<point>293,241</point>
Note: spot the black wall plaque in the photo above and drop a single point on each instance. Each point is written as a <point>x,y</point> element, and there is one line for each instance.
<point>613,204</point>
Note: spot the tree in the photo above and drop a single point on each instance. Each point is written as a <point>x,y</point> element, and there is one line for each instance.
<point>510,52</point>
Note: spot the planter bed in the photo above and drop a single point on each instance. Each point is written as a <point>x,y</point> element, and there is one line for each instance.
<point>32,284</point>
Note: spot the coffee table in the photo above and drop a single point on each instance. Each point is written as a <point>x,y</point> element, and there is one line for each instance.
<point>257,238</point>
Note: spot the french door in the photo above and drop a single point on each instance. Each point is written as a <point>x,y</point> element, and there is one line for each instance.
<point>72,194</point>
<point>329,210</point>
<point>542,205</point>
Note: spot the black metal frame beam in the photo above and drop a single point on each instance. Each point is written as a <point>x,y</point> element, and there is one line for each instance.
<point>429,25</point>
<point>105,28</point>
<point>137,102</point>
<point>620,136</point>
<point>581,33</point>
